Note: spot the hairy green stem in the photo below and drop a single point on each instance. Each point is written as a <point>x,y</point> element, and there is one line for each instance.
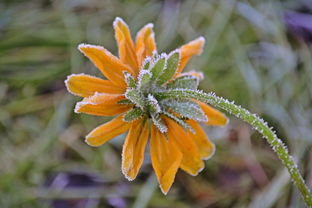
<point>259,124</point>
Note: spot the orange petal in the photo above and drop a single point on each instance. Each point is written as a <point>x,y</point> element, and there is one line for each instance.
<point>199,75</point>
<point>85,85</point>
<point>107,131</point>
<point>102,104</point>
<point>190,49</point>
<point>191,161</point>
<point>125,44</point>
<point>215,117</point>
<point>107,63</point>
<point>205,147</point>
<point>166,159</point>
<point>105,98</point>
<point>145,43</point>
<point>133,148</point>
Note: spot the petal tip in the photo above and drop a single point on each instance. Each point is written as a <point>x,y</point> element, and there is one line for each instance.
<point>202,42</point>
<point>227,121</point>
<point>129,178</point>
<point>165,192</point>
<point>80,104</point>
<point>81,47</point>
<point>77,107</point>
<point>66,82</point>
<point>198,171</point>
<point>149,25</point>
<point>117,21</point>
<point>90,143</point>
<point>201,39</point>
<point>213,151</point>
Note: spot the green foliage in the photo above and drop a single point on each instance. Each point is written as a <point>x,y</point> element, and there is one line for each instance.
<point>133,114</point>
<point>130,80</point>
<point>157,121</point>
<point>186,108</point>
<point>171,67</point>
<point>158,67</point>
<point>184,82</point>
<point>179,121</point>
<point>136,97</point>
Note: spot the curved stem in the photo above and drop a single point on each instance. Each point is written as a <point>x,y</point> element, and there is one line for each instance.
<point>257,123</point>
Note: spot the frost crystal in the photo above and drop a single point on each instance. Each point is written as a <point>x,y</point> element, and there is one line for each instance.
<point>158,75</point>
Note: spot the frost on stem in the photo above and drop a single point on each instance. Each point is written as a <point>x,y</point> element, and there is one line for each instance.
<point>257,123</point>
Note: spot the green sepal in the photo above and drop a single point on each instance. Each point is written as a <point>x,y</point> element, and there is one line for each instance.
<point>129,79</point>
<point>179,121</point>
<point>152,104</point>
<point>133,114</point>
<point>146,63</point>
<point>125,102</point>
<point>158,122</point>
<point>181,93</point>
<point>184,82</point>
<point>171,67</point>
<point>144,78</point>
<point>186,108</point>
<point>136,97</point>
<point>158,67</point>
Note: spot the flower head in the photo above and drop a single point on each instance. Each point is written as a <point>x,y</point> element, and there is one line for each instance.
<point>131,93</point>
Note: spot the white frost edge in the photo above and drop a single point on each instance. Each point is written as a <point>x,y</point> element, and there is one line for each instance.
<point>178,50</point>
<point>148,25</point>
<point>98,47</point>
<point>200,39</point>
<point>80,104</point>
<point>189,73</point>
<point>86,102</point>
<point>212,152</point>
<point>154,102</point>
<point>67,80</point>
<point>123,170</point>
<point>73,75</point>
<point>119,19</point>
<point>146,59</point>
<point>141,75</point>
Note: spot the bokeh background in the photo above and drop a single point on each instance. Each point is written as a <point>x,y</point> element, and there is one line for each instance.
<point>257,53</point>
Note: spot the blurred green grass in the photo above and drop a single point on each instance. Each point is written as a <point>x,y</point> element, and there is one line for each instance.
<point>249,57</point>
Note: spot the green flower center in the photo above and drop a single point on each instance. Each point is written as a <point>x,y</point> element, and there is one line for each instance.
<point>157,75</point>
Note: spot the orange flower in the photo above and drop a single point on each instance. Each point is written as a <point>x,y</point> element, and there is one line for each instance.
<point>130,92</point>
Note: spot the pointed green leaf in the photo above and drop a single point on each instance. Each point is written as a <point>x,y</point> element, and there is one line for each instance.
<point>171,67</point>
<point>133,114</point>
<point>136,97</point>
<point>183,93</point>
<point>184,82</point>
<point>186,108</point>
<point>129,79</point>
<point>185,125</point>
<point>158,67</point>
<point>125,102</point>
<point>152,104</point>
<point>157,121</point>
<point>146,63</point>
<point>144,78</point>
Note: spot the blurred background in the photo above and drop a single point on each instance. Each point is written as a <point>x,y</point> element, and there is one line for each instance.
<point>257,53</point>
